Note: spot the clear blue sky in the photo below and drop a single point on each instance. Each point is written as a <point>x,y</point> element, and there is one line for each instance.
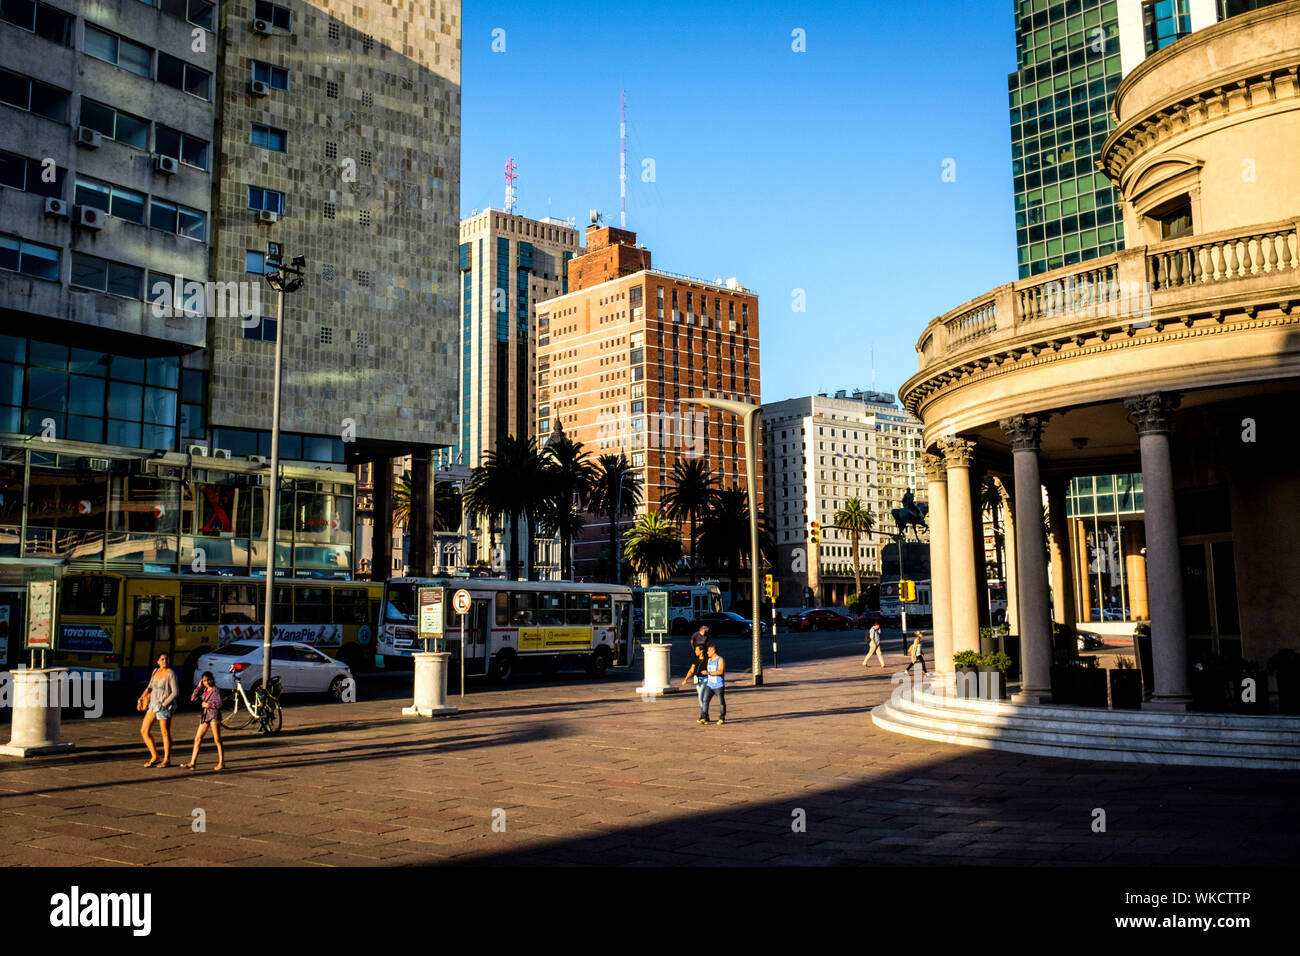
<point>818,170</point>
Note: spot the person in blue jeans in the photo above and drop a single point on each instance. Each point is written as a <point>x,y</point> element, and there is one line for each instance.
<point>716,668</point>
<point>697,673</point>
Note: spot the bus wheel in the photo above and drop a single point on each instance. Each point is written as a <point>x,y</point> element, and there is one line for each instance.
<point>503,666</point>
<point>679,627</point>
<point>598,663</point>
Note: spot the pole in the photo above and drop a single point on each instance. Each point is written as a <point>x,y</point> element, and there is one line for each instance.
<point>462,655</point>
<point>751,463</point>
<point>273,498</point>
<point>774,657</point>
<point>902,605</point>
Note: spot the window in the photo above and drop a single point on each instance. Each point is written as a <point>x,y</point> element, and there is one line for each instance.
<point>115,124</point>
<point>184,76</point>
<point>115,49</point>
<point>44,21</point>
<point>277,78</point>
<point>1163,22</point>
<point>273,14</point>
<point>259,198</point>
<point>31,175</point>
<point>185,297</point>
<point>1175,219</point>
<point>180,220</point>
<point>578,613</point>
<point>262,330</point>
<point>550,610</point>
<point>115,278</point>
<point>181,146</point>
<point>268,137</point>
<point>523,609</point>
<point>311,605</point>
<point>602,611</point>
<point>29,258</point>
<point>120,203</point>
<point>34,96</point>
<point>198,604</point>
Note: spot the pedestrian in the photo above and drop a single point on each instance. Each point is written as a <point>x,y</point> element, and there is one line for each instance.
<point>714,686</point>
<point>211,717</point>
<point>160,699</point>
<point>700,638</point>
<point>697,672</point>
<point>873,644</point>
<point>917,654</point>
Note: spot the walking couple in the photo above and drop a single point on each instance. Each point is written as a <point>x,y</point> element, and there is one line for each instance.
<point>159,704</point>
<point>708,669</point>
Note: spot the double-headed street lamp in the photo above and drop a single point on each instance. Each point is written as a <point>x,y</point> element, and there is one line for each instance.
<point>282,279</point>
<point>749,413</point>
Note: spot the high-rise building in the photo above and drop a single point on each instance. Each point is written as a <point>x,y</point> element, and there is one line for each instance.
<point>1070,57</point>
<point>620,351</point>
<point>818,452</point>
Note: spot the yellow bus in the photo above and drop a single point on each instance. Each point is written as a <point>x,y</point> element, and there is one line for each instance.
<point>117,623</point>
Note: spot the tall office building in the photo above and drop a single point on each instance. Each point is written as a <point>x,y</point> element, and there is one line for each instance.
<point>819,451</point>
<point>619,352</point>
<point>1070,56</point>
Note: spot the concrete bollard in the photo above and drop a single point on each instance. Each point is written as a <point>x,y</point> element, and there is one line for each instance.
<point>431,669</point>
<point>36,717</point>
<point>656,682</point>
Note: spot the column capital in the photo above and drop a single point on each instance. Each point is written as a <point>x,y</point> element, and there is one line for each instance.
<point>1151,411</point>
<point>1025,431</point>
<point>934,467</point>
<point>957,452</point>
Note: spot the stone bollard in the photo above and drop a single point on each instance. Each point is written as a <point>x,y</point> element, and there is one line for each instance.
<point>36,718</point>
<point>656,682</point>
<point>431,686</point>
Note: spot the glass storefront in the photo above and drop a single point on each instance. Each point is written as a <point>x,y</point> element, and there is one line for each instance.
<point>1108,547</point>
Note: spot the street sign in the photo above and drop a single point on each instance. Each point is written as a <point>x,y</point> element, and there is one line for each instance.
<point>656,612</point>
<point>40,615</point>
<point>431,613</point>
<point>460,601</point>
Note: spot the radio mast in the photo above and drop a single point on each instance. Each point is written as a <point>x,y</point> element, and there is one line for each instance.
<point>622,160</point>
<point>511,176</point>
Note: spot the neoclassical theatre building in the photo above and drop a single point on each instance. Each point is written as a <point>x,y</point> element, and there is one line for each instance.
<point>1166,373</point>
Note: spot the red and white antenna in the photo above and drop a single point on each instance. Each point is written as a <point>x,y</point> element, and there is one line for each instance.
<point>511,176</point>
<point>622,160</point>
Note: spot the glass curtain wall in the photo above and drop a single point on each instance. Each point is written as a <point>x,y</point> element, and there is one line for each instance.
<point>1108,547</point>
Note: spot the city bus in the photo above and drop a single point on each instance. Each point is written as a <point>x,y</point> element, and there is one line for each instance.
<point>918,611</point>
<point>514,625</point>
<point>117,623</point>
<point>686,602</point>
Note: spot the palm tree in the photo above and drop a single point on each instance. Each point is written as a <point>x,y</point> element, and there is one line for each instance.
<point>509,484</point>
<point>403,496</point>
<point>654,547</point>
<point>615,491</point>
<point>568,475</point>
<point>991,501</point>
<point>723,537</point>
<point>447,506</point>
<point>857,521</point>
<point>690,497</point>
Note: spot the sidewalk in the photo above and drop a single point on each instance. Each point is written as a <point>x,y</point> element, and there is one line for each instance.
<point>587,772</point>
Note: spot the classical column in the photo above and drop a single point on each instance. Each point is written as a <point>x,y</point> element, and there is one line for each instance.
<point>1085,577</point>
<point>1063,609</point>
<point>957,453</point>
<point>977,534</point>
<point>1025,432</point>
<point>1164,572</point>
<point>940,586</point>
<point>381,541</point>
<point>1010,582</point>
<point>1135,573</point>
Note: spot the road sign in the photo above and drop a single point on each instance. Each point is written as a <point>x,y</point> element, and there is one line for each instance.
<point>656,612</point>
<point>460,601</point>
<point>431,613</point>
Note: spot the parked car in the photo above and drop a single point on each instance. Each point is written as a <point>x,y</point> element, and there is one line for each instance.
<point>301,668</point>
<point>725,624</point>
<point>1088,641</point>
<point>823,619</point>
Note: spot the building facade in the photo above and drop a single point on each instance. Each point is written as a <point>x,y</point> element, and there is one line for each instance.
<point>819,451</point>
<point>618,355</point>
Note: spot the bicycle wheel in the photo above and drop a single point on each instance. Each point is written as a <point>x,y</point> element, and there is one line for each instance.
<point>272,717</point>
<point>235,715</point>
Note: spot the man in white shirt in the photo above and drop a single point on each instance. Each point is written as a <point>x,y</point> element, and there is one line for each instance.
<point>873,644</point>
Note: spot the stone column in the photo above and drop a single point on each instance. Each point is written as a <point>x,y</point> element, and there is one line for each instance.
<point>381,541</point>
<point>940,579</point>
<point>1011,581</point>
<point>1164,571</point>
<point>1084,610</point>
<point>1135,573</point>
<point>1025,432</point>
<point>977,534</point>
<point>957,453</point>
<point>1063,608</point>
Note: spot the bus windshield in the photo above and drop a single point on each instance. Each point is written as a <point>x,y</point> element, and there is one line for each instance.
<point>400,606</point>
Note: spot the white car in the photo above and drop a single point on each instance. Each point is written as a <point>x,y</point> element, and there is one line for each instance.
<point>301,668</point>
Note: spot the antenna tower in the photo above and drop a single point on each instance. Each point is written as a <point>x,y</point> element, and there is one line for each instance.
<point>622,160</point>
<point>511,176</point>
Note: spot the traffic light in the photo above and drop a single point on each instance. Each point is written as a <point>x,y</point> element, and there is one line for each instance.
<point>767,586</point>
<point>907,591</point>
<point>816,535</point>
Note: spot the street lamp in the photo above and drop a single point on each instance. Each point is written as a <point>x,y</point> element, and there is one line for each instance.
<point>282,279</point>
<point>749,413</point>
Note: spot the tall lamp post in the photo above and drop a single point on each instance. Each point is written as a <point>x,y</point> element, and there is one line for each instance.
<point>282,278</point>
<point>749,413</point>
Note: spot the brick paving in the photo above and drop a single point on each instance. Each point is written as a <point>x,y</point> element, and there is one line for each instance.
<point>588,773</point>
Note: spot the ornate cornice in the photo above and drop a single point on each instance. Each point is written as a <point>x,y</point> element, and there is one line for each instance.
<point>1151,412</point>
<point>957,452</point>
<point>1025,431</point>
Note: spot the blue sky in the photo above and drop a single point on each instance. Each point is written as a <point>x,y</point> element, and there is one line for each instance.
<point>818,170</point>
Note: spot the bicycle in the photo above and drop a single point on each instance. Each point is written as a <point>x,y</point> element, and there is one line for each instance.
<point>263,708</point>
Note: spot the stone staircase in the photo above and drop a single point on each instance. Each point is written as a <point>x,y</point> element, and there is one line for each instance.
<point>1090,733</point>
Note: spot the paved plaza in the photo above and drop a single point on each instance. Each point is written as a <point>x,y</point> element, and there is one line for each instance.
<point>567,770</point>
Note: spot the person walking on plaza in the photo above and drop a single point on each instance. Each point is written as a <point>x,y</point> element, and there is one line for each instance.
<point>697,672</point>
<point>714,686</point>
<point>700,638</point>
<point>916,654</point>
<point>160,696</point>
<point>873,645</point>
<point>211,717</point>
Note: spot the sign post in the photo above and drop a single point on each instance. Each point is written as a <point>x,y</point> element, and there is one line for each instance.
<point>431,616</point>
<point>656,682</point>
<point>462,604</point>
<point>40,619</point>
<point>431,666</point>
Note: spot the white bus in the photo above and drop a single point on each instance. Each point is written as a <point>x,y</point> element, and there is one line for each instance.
<point>918,611</point>
<point>686,602</point>
<point>514,625</point>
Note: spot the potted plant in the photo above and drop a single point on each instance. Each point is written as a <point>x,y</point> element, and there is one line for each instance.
<point>993,675</point>
<point>1090,687</point>
<point>966,664</point>
<point>1142,653</point>
<point>1125,685</point>
<point>990,640</point>
<point>1062,672</point>
<point>1285,666</point>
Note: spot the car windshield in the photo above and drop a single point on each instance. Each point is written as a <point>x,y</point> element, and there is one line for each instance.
<point>401,604</point>
<point>235,650</point>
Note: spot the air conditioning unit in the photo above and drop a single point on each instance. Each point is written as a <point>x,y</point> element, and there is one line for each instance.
<point>258,88</point>
<point>267,215</point>
<point>221,453</point>
<point>167,165</point>
<point>56,207</point>
<point>258,459</point>
<point>95,464</point>
<point>263,27</point>
<point>88,217</point>
<point>200,450</point>
<point>92,138</point>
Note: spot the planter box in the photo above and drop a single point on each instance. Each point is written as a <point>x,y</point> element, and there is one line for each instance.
<point>1090,688</point>
<point>1063,689</point>
<point>967,682</point>
<point>992,684</point>
<point>1211,690</point>
<point>1012,648</point>
<point>1125,689</point>
<point>991,645</point>
<point>1142,654</point>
